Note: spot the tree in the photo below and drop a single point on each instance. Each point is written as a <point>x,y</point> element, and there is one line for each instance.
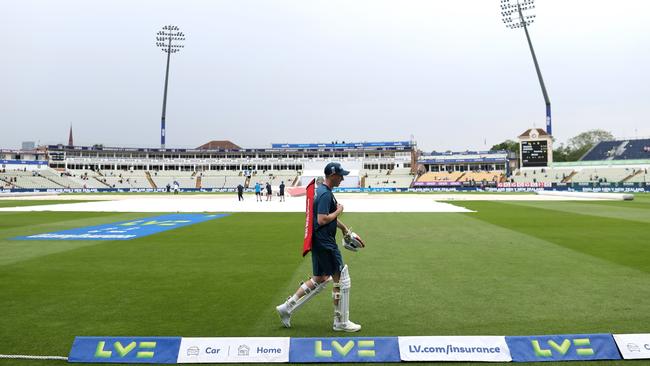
<point>560,153</point>
<point>508,145</point>
<point>588,139</point>
<point>578,145</point>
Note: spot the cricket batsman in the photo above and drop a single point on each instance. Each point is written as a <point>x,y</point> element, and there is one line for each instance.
<point>327,262</point>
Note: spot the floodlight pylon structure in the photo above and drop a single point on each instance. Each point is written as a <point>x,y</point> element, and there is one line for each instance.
<point>169,39</point>
<point>520,15</point>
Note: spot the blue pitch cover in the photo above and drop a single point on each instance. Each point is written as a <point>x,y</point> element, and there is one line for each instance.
<point>126,230</point>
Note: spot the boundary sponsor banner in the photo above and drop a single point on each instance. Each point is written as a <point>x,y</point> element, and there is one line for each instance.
<point>125,349</point>
<point>454,348</point>
<point>350,145</point>
<point>22,162</point>
<point>633,346</point>
<point>567,347</point>
<point>126,230</point>
<point>234,350</point>
<point>437,184</point>
<point>353,349</point>
<point>521,185</point>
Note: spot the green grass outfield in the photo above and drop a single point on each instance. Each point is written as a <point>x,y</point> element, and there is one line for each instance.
<point>18,203</point>
<point>511,268</point>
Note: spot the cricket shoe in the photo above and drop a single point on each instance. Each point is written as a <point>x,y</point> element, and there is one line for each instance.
<point>285,316</point>
<point>348,326</point>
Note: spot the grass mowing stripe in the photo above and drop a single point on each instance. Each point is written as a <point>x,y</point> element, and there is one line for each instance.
<point>268,320</point>
<point>432,274</point>
<point>29,223</point>
<point>594,208</point>
<point>34,221</point>
<point>616,240</point>
<point>20,203</point>
<point>206,280</point>
<point>464,276</point>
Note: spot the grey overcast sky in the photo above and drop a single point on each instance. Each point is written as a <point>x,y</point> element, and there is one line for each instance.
<point>262,71</point>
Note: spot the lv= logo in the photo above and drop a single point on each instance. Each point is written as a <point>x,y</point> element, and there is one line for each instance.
<point>563,348</point>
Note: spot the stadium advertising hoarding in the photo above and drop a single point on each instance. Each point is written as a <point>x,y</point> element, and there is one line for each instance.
<point>22,162</point>
<point>438,184</point>
<point>352,145</point>
<point>633,346</point>
<point>354,349</point>
<point>125,349</point>
<point>460,161</point>
<point>234,350</point>
<point>169,350</point>
<point>567,347</point>
<point>456,348</point>
<point>521,185</point>
<point>126,230</point>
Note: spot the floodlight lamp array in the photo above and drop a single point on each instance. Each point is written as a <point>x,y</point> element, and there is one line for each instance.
<point>519,14</point>
<point>169,39</point>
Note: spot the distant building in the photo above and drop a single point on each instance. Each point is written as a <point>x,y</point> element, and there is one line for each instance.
<point>28,145</point>
<point>219,145</point>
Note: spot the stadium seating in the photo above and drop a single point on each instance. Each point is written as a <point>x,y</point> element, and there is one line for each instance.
<point>396,178</point>
<point>601,175</point>
<point>185,179</point>
<point>30,179</point>
<point>65,180</point>
<point>639,176</point>
<point>546,175</point>
<point>439,177</point>
<point>482,176</point>
<point>619,150</point>
<point>582,174</point>
<point>275,177</point>
<point>602,151</point>
<point>85,178</point>
<point>637,150</point>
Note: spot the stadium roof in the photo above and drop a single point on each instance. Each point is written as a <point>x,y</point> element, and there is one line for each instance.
<point>216,145</point>
<point>527,133</point>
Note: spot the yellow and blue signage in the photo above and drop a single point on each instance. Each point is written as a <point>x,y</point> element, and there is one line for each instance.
<point>355,349</point>
<point>125,349</point>
<point>568,347</point>
<point>126,230</point>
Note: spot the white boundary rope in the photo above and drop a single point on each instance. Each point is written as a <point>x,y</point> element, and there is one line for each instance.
<point>32,357</point>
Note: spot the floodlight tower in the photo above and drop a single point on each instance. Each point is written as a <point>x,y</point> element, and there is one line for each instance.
<point>169,40</point>
<point>519,15</point>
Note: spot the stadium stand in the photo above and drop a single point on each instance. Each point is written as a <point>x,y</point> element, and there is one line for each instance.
<point>275,177</point>
<point>582,174</point>
<point>392,178</point>
<point>440,177</point>
<point>638,149</point>
<point>185,179</point>
<point>30,179</point>
<point>481,176</point>
<point>602,175</point>
<point>546,175</point>
<point>372,165</point>
<point>603,151</point>
<point>639,176</point>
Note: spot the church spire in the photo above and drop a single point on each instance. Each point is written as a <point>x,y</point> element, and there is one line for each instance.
<point>70,139</point>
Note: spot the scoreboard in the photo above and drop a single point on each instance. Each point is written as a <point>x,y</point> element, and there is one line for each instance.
<point>534,153</point>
